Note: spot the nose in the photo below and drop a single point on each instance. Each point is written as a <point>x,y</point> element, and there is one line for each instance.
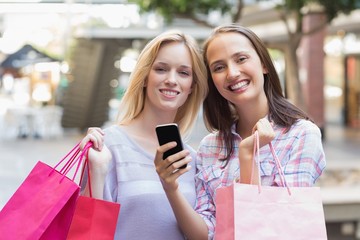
<point>233,71</point>
<point>171,78</point>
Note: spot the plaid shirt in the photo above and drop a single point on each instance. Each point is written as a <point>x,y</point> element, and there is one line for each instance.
<point>300,152</point>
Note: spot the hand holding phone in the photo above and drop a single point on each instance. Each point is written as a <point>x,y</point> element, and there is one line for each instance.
<point>169,133</point>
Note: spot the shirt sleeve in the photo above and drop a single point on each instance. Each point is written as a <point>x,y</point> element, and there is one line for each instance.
<point>306,158</point>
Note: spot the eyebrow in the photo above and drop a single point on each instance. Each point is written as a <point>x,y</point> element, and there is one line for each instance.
<point>165,63</point>
<point>186,66</point>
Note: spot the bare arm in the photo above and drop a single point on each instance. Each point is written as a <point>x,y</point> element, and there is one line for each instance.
<point>99,159</point>
<point>189,221</point>
<point>246,161</point>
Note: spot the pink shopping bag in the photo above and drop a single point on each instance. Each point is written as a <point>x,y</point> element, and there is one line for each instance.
<point>43,205</point>
<point>255,212</point>
<point>93,218</point>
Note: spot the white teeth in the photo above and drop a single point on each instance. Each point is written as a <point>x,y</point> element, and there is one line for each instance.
<point>170,93</point>
<point>239,85</point>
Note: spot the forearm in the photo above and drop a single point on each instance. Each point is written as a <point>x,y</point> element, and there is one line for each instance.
<point>246,167</point>
<point>97,184</point>
<point>189,221</point>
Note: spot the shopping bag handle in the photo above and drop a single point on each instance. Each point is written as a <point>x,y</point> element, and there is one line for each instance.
<point>256,152</point>
<point>256,163</point>
<point>87,167</point>
<point>75,151</point>
<point>279,168</point>
<point>84,153</point>
<point>71,158</point>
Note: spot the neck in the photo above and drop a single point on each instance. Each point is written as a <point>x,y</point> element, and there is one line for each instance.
<point>142,130</point>
<point>249,115</point>
<point>147,120</point>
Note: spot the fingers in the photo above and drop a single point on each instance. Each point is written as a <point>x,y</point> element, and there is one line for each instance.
<point>96,136</point>
<point>169,169</point>
<point>264,125</point>
<point>171,159</point>
<point>265,131</point>
<point>174,169</point>
<point>175,166</point>
<point>170,179</point>
<point>169,174</point>
<point>160,151</point>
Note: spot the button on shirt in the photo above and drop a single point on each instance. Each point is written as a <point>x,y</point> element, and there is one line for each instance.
<point>300,152</point>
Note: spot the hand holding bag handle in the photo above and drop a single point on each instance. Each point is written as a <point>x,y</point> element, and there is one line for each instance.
<point>256,152</point>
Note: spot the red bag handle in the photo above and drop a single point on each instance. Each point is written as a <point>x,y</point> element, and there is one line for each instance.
<point>87,166</point>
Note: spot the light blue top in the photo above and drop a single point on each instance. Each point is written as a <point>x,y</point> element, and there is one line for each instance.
<point>132,181</point>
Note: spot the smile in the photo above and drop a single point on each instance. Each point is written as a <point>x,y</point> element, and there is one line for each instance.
<point>169,92</point>
<point>239,85</point>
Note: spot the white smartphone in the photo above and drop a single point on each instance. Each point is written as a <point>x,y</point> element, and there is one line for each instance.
<point>169,133</point>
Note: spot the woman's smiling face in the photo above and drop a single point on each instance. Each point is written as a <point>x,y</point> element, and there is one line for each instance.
<point>235,67</point>
<point>171,76</point>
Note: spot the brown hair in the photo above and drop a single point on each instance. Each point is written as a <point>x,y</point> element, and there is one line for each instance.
<point>220,114</point>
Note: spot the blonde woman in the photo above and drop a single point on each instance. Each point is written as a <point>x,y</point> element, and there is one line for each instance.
<point>168,85</point>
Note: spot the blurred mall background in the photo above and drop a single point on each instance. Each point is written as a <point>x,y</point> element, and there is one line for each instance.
<point>64,65</point>
<point>71,59</point>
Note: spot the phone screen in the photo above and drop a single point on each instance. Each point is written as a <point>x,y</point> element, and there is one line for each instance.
<point>169,133</point>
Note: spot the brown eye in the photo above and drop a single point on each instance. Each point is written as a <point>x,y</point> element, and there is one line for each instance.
<point>241,59</point>
<point>185,73</point>
<point>218,68</point>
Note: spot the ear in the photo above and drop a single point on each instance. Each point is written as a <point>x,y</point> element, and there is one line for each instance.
<point>265,71</point>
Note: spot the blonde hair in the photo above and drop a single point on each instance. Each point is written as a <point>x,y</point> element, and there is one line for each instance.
<point>132,103</point>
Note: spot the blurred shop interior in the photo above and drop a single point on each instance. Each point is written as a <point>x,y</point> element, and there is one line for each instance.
<point>65,64</point>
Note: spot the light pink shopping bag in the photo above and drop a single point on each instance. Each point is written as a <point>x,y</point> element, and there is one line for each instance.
<point>255,212</point>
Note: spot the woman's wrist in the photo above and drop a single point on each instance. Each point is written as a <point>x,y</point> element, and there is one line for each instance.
<point>245,153</point>
<point>171,191</point>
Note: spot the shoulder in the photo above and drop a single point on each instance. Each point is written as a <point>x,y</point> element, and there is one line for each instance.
<point>210,150</point>
<point>304,128</point>
<point>114,135</point>
<point>210,140</point>
<point>211,145</point>
<point>302,134</point>
<point>307,124</point>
